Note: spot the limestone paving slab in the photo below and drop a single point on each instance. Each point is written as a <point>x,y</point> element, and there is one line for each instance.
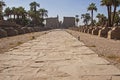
<point>55,56</point>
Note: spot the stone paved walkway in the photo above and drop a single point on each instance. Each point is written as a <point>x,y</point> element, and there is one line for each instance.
<point>55,56</point>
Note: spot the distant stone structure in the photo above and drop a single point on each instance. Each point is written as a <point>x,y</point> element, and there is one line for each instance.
<point>68,22</point>
<point>52,23</point>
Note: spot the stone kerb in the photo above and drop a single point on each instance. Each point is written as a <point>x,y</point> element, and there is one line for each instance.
<point>3,33</point>
<point>104,32</point>
<point>114,33</point>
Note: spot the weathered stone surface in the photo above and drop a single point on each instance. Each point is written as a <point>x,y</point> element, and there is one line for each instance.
<point>3,33</point>
<point>26,29</point>
<point>20,30</point>
<point>10,31</point>
<point>114,33</point>
<point>95,31</point>
<point>90,30</point>
<point>55,56</point>
<point>86,30</point>
<point>104,32</point>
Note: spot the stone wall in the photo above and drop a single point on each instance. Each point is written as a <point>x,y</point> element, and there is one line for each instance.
<point>68,22</point>
<point>52,23</point>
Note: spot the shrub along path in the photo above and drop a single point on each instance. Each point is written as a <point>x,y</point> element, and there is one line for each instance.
<point>55,56</point>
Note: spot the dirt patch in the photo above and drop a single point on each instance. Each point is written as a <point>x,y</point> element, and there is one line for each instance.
<point>107,48</point>
<point>10,42</point>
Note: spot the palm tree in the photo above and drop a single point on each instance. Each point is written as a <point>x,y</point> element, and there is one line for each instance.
<point>101,19</point>
<point>33,6</point>
<point>8,12</point>
<point>77,19</point>
<point>115,3</point>
<point>1,8</point>
<point>92,8</point>
<point>108,4</point>
<point>43,13</point>
<point>86,18</point>
<point>21,12</point>
<point>33,12</point>
<point>14,12</point>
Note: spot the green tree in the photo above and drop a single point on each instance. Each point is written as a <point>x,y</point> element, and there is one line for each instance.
<point>86,18</point>
<point>115,3</point>
<point>77,19</point>
<point>33,13</point>
<point>92,7</point>
<point>33,6</point>
<point>108,4</point>
<point>101,19</point>
<point>14,12</point>
<point>1,9</point>
<point>43,12</point>
<point>7,13</point>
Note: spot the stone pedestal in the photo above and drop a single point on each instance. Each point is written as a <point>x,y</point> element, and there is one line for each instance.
<point>85,30</point>
<point>20,30</point>
<point>3,33</point>
<point>95,31</point>
<point>10,31</point>
<point>27,30</point>
<point>103,32</point>
<point>90,30</point>
<point>114,33</point>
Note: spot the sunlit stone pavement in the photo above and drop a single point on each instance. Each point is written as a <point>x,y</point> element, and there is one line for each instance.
<point>55,56</point>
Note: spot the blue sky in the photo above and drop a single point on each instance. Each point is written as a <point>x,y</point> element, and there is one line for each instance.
<point>60,7</point>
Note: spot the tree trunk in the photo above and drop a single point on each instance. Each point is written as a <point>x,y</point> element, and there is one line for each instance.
<point>92,17</point>
<point>110,12</point>
<point>14,16</point>
<point>113,19</point>
<point>109,16</point>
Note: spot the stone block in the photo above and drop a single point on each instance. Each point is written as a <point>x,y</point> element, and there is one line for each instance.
<point>3,33</point>
<point>95,31</point>
<point>20,30</point>
<point>104,32</point>
<point>114,33</point>
<point>10,31</point>
<point>86,30</point>
<point>90,30</point>
<point>26,29</point>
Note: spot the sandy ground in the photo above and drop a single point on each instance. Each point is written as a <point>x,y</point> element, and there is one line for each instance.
<point>55,56</point>
<point>10,42</point>
<point>107,48</point>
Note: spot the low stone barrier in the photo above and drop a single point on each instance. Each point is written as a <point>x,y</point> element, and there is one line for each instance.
<point>114,33</point>
<point>27,30</point>
<point>20,30</point>
<point>3,33</point>
<point>10,31</point>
